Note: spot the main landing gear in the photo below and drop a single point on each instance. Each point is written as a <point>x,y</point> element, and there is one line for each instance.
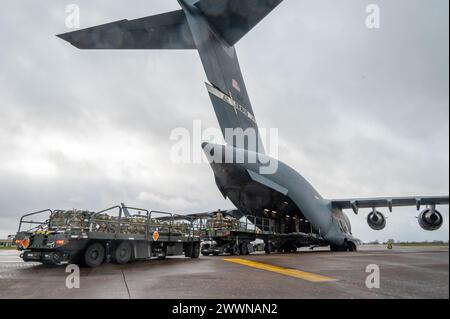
<point>348,246</point>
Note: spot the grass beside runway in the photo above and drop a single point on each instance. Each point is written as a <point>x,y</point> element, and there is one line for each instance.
<point>425,245</point>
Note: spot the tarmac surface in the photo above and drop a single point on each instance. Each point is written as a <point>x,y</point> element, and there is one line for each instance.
<point>418,272</point>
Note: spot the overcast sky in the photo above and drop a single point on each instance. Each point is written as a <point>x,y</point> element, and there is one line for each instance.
<point>360,112</point>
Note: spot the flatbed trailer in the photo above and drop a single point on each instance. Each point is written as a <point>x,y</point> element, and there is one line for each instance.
<point>227,234</point>
<point>92,238</point>
<point>232,242</point>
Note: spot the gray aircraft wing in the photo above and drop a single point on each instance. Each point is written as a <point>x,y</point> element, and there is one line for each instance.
<point>163,31</point>
<point>390,202</point>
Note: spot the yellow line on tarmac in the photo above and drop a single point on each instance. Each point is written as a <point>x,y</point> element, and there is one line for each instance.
<point>308,276</point>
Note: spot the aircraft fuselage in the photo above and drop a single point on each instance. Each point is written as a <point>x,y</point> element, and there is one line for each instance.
<point>282,195</point>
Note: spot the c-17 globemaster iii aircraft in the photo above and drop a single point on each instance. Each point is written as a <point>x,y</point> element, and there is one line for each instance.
<point>213,27</point>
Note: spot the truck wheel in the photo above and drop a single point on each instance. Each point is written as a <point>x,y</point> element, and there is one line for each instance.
<point>244,249</point>
<point>94,255</point>
<point>293,249</point>
<point>188,250</point>
<point>122,254</point>
<point>268,248</point>
<point>196,251</point>
<point>235,250</point>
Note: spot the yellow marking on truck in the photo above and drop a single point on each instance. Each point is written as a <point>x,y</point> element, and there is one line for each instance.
<point>308,276</point>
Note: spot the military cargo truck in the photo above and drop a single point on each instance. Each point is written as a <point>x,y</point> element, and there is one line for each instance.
<point>115,234</point>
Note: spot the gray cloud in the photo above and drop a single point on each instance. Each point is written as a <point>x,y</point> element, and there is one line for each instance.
<point>360,112</point>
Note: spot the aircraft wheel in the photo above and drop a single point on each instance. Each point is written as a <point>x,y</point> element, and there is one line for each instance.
<point>335,248</point>
<point>94,255</point>
<point>351,247</point>
<point>122,254</point>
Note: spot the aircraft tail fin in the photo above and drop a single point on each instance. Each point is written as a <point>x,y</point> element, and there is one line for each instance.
<point>210,26</point>
<point>216,25</point>
<point>233,19</point>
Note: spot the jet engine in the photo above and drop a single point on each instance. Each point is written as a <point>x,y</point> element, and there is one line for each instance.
<point>430,219</point>
<point>376,220</point>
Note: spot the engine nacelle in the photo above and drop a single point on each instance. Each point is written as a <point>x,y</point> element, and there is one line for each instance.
<point>376,220</point>
<point>430,219</point>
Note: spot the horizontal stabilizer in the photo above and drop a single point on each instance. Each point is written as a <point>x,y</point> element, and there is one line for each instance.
<point>163,31</point>
<point>233,19</point>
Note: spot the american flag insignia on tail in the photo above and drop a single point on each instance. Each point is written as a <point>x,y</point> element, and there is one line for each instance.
<point>236,85</point>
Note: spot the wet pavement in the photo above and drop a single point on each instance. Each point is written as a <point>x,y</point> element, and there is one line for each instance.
<point>420,272</point>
